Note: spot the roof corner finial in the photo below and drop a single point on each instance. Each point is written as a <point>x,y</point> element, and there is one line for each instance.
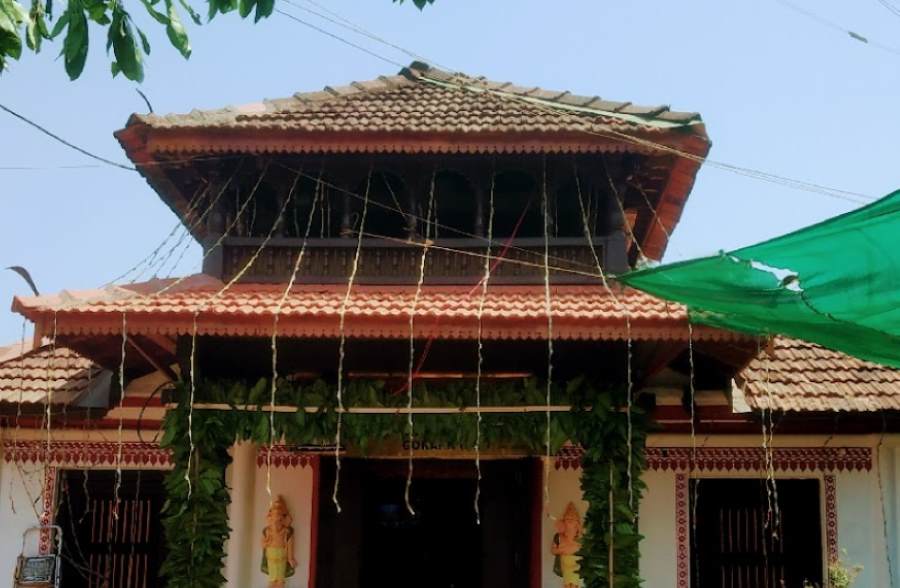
<point>415,69</point>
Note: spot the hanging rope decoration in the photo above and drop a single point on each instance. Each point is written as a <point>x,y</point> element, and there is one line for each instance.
<point>430,213</point>
<point>485,279</point>
<point>274,341</point>
<point>545,210</point>
<point>16,430</point>
<point>48,413</point>
<point>201,305</point>
<point>119,440</point>
<point>343,341</point>
<point>588,235</point>
<point>774,514</point>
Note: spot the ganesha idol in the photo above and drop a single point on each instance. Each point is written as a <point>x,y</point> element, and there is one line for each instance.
<point>278,560</point>
<point>565,546</point>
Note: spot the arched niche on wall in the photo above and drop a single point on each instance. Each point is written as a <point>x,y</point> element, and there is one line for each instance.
<point>386,214</point>
<point>574,204</point>
<point>326,217</point>
<point>517,205</point>
<point>456,206</point>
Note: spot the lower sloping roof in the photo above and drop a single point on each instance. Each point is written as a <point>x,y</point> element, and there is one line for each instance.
<point>34,376</point>
<point>794,375</point>
<point>371,311</point>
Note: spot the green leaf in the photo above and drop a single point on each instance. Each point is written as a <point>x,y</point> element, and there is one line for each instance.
<point>124,45</point>
<point>12,15</point>
<point>75,45</point>
<point>156,14</point>
<point>145,44</point>
<point>263,9</point>
<point>191,12</point>
<point>97,11</point>
<point>175,30</point>
<point>245,7</point>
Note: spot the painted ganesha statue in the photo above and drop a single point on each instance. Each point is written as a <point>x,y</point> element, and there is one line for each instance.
<point>278,560</point>
<point>565,546</point>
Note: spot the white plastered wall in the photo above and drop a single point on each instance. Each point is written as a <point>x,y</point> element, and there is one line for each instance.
<point>861,528</point>
<point>20,508</point>
<point>247,514</point>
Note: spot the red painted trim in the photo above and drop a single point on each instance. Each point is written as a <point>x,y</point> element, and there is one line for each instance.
<point>751,459</point>
<point>315,463</point>
<point>48,509</point>
<point>87,453</point>
<point>537,520</point>
<point>831,523</point>
<point>682,535</point>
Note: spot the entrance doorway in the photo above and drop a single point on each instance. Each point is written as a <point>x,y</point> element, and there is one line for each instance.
<point>375,542</point>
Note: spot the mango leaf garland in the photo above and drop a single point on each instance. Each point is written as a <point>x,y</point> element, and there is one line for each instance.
<point>197,527</point>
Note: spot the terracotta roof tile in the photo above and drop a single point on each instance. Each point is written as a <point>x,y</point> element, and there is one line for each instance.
<point>428,100</point>
<point>510,312</point>
<point>806,377</point>
<point>58,373</point>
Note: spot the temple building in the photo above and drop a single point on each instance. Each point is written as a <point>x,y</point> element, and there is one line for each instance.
<point>407,362</point>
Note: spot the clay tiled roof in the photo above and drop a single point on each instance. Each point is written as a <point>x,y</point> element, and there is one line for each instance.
<point>425,100</point>
<point>55,372</point>
<point>510,312</point>
<point>806,377</point>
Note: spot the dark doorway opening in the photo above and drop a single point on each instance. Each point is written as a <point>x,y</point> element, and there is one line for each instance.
<point>732,546</point>
<point>109,543</point>
<point>375,542</point>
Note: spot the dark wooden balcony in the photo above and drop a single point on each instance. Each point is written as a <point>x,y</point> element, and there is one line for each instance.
<point>387,261</point>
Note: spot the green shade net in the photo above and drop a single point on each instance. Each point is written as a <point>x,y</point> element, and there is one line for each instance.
<point>836,283</point>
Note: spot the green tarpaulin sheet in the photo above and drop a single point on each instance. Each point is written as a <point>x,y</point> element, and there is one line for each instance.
<point>836,283</point>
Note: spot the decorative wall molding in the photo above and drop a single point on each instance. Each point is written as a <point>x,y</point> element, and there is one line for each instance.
<point>87,453</point>
<point>288,457</point>
<point>750,459</point>
<point>682,532</point>
<point>831,521</point>
<point>48,510</point>
<point>787,459</point>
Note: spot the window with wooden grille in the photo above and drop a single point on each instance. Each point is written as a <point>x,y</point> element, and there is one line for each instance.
<point>739,541</point>
<point>110,543</point>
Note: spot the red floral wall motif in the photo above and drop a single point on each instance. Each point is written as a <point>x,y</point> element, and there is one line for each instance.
<point>793,459</point>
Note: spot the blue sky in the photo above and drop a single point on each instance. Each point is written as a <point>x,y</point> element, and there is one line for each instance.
<point>779,92</point>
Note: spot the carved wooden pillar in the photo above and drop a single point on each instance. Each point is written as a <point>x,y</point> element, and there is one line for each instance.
<point>613,184</point>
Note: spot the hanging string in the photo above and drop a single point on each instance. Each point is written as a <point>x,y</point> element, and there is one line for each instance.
<point>773,516</point>
<point>480,343</point>
<point>16,430</point>
<point>274,344</point>
<point>343,341</point>
<point>545,209</point>
<point>431,212</point>
<point>190,416</point>
<point>118,484</point>
<point>48,415</point>
<point>241,208</point>
<point>201,305</point>
<point>588,235</point>
<point>538,256</point>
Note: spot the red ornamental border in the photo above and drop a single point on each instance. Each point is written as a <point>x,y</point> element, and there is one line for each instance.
<point>87,453</point>
<point>821,459</point>
<point>48,500</point>
<point>682,534</point>
<point>286,457</point>
<point>831,523</point>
